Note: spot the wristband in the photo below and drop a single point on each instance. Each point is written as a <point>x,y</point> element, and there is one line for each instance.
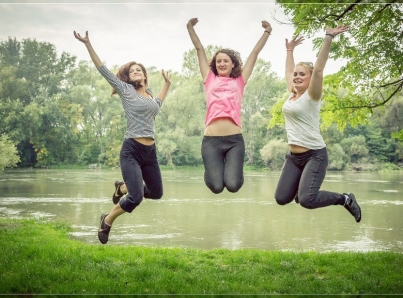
<point>267,32</point>
<point>330,35</point>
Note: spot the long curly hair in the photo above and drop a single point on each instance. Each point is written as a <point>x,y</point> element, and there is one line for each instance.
<point>235,58</point>
<point>123,74</point>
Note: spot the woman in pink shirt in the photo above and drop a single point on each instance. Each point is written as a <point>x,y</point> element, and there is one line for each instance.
<point>223,148</point>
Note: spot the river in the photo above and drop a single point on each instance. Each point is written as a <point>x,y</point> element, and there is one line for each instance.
<point>190,215</point>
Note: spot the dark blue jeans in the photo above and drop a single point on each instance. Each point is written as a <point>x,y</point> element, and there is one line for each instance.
<point>304,173</point>
<point>141,174</point>
<point>223,158</point>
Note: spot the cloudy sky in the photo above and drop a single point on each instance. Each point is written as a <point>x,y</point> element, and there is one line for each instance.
<point>152,32</point>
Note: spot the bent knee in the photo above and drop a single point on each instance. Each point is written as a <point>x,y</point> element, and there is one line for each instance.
<point>281,201</point>
<point>307,202</point>
<point>155,196</point>
<point>215,188</point>
<point>234,187</point>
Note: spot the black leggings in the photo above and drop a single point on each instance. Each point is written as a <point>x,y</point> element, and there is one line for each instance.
<point>304,173</point>
<point>223,158</point>
<point>141,174</point>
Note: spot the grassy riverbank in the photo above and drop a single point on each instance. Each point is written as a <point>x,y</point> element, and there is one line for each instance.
<point>39,258</point>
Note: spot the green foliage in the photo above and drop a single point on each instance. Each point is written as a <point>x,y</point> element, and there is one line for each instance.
<point>337,157</point>
<point>8,153</point>
<point>261,91</point>
<point>277,117</point>
<point>355,147</point>
<point>382,148</point>
<point>273,153</point>
<point>32,78</point>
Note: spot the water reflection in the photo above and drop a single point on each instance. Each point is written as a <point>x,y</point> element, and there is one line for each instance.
<point>189,215</point>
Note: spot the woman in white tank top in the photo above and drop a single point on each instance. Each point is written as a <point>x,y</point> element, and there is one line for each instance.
<point>305,164</point>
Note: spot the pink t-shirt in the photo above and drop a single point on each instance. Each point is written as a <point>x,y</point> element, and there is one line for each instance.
<point>224,97</point>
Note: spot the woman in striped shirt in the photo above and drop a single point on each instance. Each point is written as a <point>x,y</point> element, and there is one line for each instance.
<point>138,158</point>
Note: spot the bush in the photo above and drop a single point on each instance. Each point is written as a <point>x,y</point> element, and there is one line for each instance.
<point>8,153</point>
<point>273,153</point>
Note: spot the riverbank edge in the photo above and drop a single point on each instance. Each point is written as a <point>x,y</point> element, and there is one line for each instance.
<point>381,167</point>
<point>40,258</point>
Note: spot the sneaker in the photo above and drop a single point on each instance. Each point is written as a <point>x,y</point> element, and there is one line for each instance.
<point>118,193</point>
<point>352,206</point>
<point>104,229</point>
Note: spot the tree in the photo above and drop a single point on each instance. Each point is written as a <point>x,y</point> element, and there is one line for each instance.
<point>381,147</point>
<point>355,147</point>
<point>273,153</point>
<point>260,93</point>
<point>8,153</point>
<point>32,77</point>
<point>372,50</point>
<point>337,157</point>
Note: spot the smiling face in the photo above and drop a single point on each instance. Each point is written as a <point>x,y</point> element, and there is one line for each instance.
<point>224,65</point>
<point>136,74</point>
<point>302,78</point>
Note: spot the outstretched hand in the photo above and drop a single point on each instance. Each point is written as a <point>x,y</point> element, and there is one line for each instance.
<point>338,30</point>
<point>167,76</point>
<point>295,41</point>
<point>192,22</point>
<point>80,38</point>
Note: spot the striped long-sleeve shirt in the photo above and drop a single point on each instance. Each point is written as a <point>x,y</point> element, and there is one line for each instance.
<point>140,111</point>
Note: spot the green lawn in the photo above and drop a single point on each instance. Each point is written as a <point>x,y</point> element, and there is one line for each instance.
<point>40,258</point>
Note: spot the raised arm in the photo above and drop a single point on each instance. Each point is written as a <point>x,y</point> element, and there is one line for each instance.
<point>201,54</point>
<point>250,62</point>
<point>316,84</point>
<point>164,90</point>
<point>86,41</point>
<point>289,61</point>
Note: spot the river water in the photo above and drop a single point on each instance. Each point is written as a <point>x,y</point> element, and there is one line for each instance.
<point>190,215</point>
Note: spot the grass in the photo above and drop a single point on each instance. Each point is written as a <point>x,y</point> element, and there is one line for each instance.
<point>40,258</point>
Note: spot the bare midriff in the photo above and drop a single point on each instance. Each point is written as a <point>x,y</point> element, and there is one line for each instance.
<point>297,149</point>
<point>145,141</point>
<point>222,127</point>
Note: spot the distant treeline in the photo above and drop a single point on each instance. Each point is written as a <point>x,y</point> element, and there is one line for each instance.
<point>57,111</point>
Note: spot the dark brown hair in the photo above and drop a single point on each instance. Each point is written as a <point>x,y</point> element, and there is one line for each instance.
<point>123,74</point>
<point>235,58</point>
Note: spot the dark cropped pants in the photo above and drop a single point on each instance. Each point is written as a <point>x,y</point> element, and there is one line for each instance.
<point>223,158</point>
<point>141,173</point>
<point>304,173</point>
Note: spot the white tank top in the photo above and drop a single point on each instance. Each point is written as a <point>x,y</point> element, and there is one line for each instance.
<point>302,122</point>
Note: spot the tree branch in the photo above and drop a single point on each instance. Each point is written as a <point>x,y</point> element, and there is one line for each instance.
<point>392,83</point>
<point>399,87</point>
<point>350,8</point>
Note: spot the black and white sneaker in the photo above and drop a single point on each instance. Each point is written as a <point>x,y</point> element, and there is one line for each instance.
<point>118,193</point>
<point>352,206</point>
<point>104,229</point>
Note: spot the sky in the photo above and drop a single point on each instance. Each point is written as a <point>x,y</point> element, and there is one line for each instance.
<point>154,32</point>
